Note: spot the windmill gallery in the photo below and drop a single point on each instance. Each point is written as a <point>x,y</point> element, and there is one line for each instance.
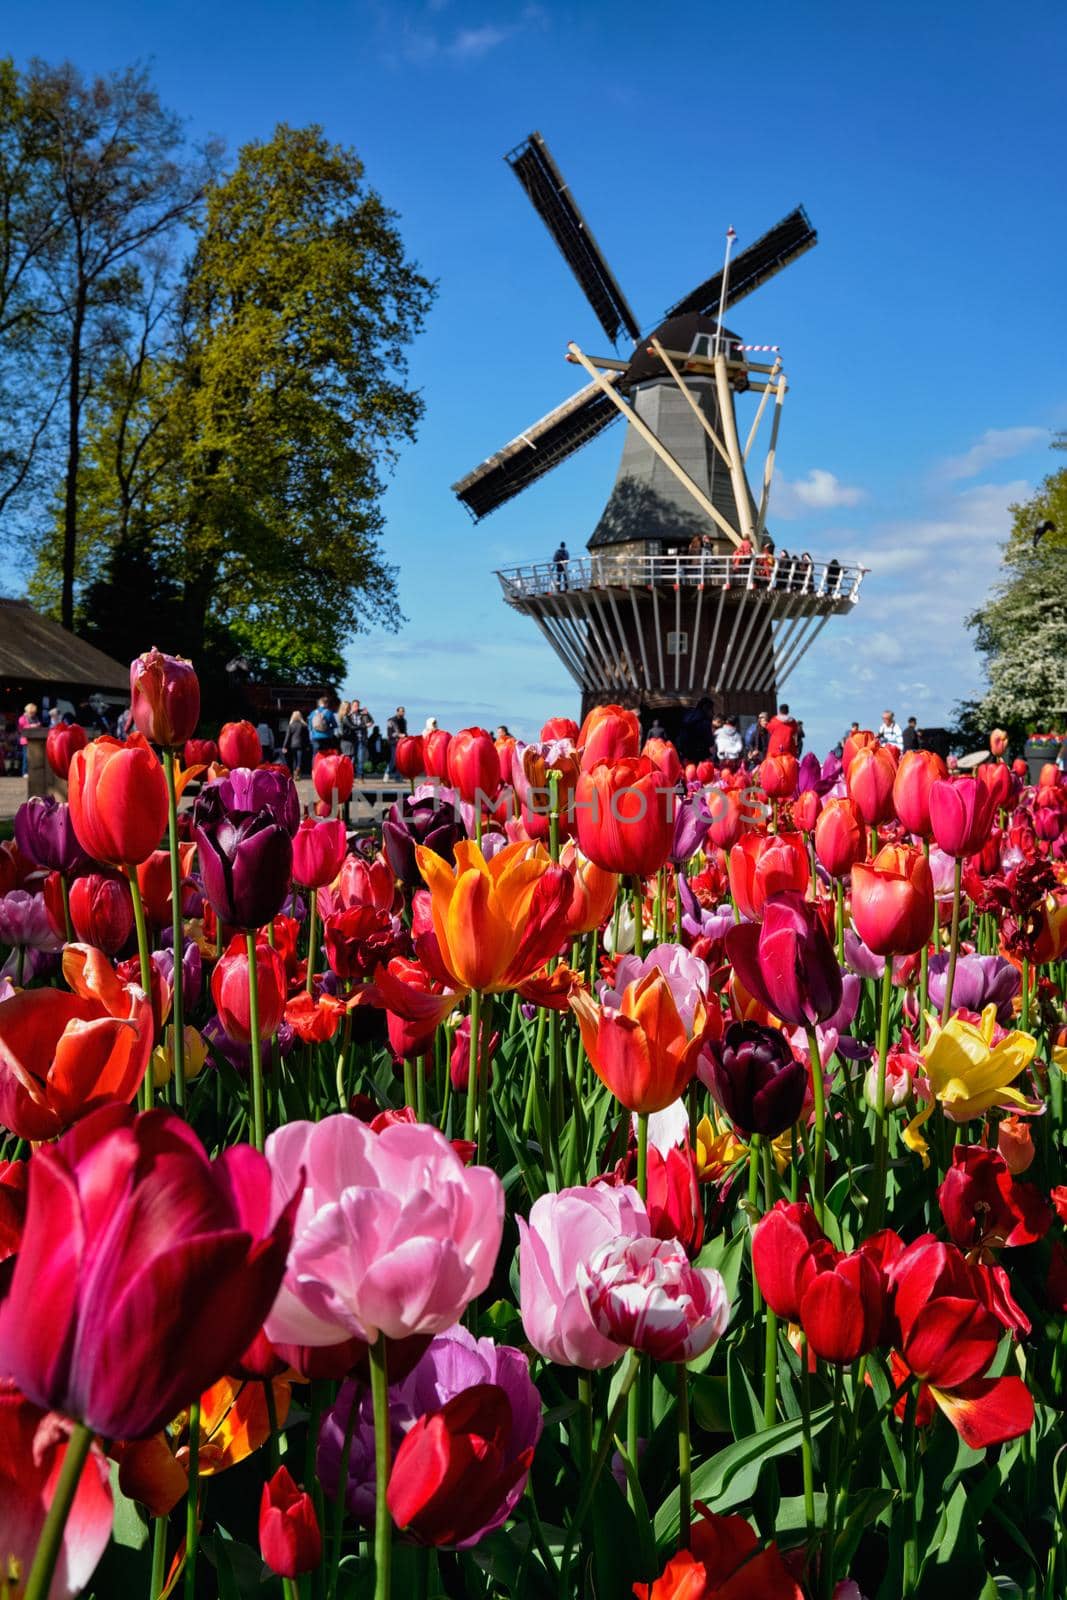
<point>682,596</point>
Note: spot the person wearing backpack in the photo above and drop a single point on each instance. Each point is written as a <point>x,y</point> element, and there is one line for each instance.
<point>322,724</point>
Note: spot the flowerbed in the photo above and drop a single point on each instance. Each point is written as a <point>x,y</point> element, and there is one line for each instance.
<point>607,1178</point>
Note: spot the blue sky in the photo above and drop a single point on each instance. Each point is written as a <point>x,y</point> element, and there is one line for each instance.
<point>923,337</point>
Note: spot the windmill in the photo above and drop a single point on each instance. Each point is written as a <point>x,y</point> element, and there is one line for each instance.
<point>681,597</point>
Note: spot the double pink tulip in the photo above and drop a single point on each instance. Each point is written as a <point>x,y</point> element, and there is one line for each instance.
<point>645,1293</point>
<point>393,1234</point>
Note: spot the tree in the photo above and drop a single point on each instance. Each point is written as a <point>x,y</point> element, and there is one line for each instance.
<point>1022,629</point>
<point>243,459</point>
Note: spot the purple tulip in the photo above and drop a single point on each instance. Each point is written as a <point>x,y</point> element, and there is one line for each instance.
<point>45,835</point>
<point>754,1075</point>
<point>246,862</point>
<point>864,963</point>
<point>413,821</point>
<point>454,1362</point>
<point>697,921</point>
<point>248,790</point>
<point>192,969</point>
<point>692,820</point>
<point>240,1055</point>
<point>979,981</point>
<point>25,923</point>
<point>787,962</point>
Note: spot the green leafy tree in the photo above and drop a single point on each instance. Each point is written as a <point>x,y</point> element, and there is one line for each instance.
<point>1021,631</point>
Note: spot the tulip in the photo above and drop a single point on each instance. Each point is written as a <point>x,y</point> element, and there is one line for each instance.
<point>998,743</point>
<point>246,860</point>
<point>44,834</point>
<point>948,1338</point>
<point>787,963</point>
<point>167,1270</point>
<point>361,882</point>
<point>692,818</point>
<point>788,1250</point>
<point>414,821</point>
<point>753,1074</point>
<point>118,800</point>
<point>642,1048</point>
<point>969,1073</point>
<point>63,1054</point>
<point>459,1469</point>
<point>726,810</point>
<point>806,809</point>
<point>840,837</point>
<point>201,753</point>
<point>566,1230</point>
<point>154,882</point>
<point>289,1538</point>
<point>978,981</point>
<point>319,849</point>
<point>893,901</point>
<point>560,728</point>
<point>359,939</point>
<point>777,776</point>
<point>645,1294</point>
<point>165,699</point>
<point>229,989</point>
<point>435,754</point>
<point>724,1559</point>
<point>474,766</point>
<point>662,754</point>
<point>609,733</point>
<point>842,1308</point>
<point>60,744</point>
<point>918,771</point>
<point>251,790</point>
<point>686,974</point>
<point>33,1449</point>
<point>961,815</point>
<point>983,1207</point>
<point>415,1005</point>
<point>101,911</point>
<point>239,745</point>
<point>529,772</point>
<point>673,1198</point>
<point>869,779</point>
<point>1015,1143</point>
<point>393,1234</point>
<point>624,815</point>
<point>459,1063</point>
<point>333,774</point>
<point>766,864</point>
<point>997,778</point>
<point>409,758</point>
<point>855,742</point>
<point>593,892</point>
<point>497,922</point>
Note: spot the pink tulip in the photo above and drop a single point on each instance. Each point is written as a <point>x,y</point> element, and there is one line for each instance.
<point>645,1294</point>
<point>564,1232</point>
<point>144,1270</point>
<point>32,1447</point>
<point>393,1234</point>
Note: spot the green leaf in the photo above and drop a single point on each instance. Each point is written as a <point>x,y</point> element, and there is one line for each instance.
<point>954,1554</point>
<point>709,1398</point>
<point>128,1528</point>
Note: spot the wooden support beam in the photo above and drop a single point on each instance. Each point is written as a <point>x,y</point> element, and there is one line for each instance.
<point>690,399</point>
<point>637,422</point>
<point>768,465</point>
<point>737,465</point>
<point>766,389</point>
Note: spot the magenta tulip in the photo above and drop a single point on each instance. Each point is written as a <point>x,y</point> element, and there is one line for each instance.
<point>787,962</point>
<point>961,815</point>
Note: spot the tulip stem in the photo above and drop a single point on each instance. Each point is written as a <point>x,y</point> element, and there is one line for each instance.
<point>313,938</point>
<point>146,967</point>
<point>839,918</point>
<point>409,1083</point>
<point>51,1539</point>
<point>470,1131</point>
<point>881,1130</point>
<point>830,1537</point>
<point>770,1331</point>
<point>805,1442</point>
<point>159,1558</point>
<point>642,1154</point>
<point>685,1473</point>
<point>950,976</point>
<point>626,1382</point>
<point>1024,1013</point>
<point>911,1538</point>
<point>639,918</point>
<point>258,1123</point>
<point>818,1154</point>
<point>482,1079</point>
<point>383,1522</point>
<point>64,889</point>
<point>177,928</point>
<point>192,1519</point>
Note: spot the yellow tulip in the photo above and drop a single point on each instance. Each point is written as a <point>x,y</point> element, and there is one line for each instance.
<point>717,1149</point>
<point>968,1073</point>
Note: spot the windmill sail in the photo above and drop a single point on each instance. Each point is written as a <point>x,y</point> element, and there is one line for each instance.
<point>753,266</point>
<point>552,200</point>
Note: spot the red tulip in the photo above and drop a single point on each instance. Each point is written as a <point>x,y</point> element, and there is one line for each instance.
<point>609,733</point>
<point>624,815</point>
<point>60,744</point>
<point>63,1054</point>
<point>983,1207</point>
<point>997,778</point>
<point>673,1198</point>
<point>229,990</point>
<point>917,772</point>
<point>201,753</point>
<point>435,754</point>
<point>474,766</point>
<point>459,1062</point>
<point>118,800</point>
<point>893,901</point>
<point>840,837</point>
<point>787,962</point>
<point>165,698</point>
<point>559,728</point>
<point>289,1538</point>
<point>869,779</point>
<point>153,880</point>
<point>806,810</point>
<point>762,864</point>
<point>723,1562</point>
<point>789,1249</point>
<point>145,1270</point>
<point>961,815</point>
<point>663,755</point>
<point>777,776</point>
<point>330,772</point>
<point>14,1176</point>
<point>33,1445</point>
<point>505,751</point>
<point>359,939</point>
<point>727,812</point>
<point>410,758</point>
<point>239,745</point>
<point>415,1005</point>
<point>319,850</point>
<point>842,1308</point>
<point>857,741</point>
<point>101,911</point>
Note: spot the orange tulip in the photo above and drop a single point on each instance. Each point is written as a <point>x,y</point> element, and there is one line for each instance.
<point>624,815</point>
<point>498,921</point>
<point>869,779</point>
<point>663,755</point>
<point>893,901</point>
<point>762,864</point>
<point>118,800</point>
<point>642,1051</point>
<point>917,772</point>
<point>856,741</point>
<point>63,1054</point>
<point>840,837</point>
<point>608,734</point>
<point>806,808</point>
<point>1050,942</point>
<point>777,776</point>
<point>594,893</point>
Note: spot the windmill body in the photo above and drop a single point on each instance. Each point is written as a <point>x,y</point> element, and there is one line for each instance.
<point>682,597</point>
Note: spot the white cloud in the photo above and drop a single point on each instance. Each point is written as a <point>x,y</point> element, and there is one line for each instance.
<point>472,44</point>
<point>819,491</point>
<point>996,444</point>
